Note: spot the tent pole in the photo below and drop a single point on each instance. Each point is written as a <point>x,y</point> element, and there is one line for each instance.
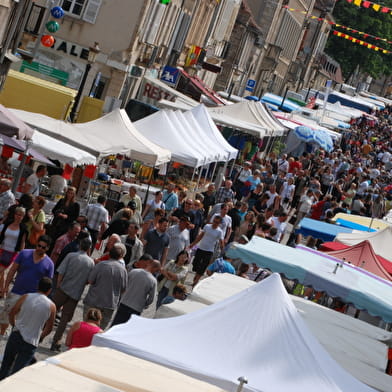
<point>19,172</point>
<point>198,180</point>
<point>165,179</point>
<point>148,187</point>
<point>193,174</point>
<point>232,168</point>
<point>213,171</point>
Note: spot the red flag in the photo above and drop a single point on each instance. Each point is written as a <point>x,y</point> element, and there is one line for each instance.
<point>7,152</point>
<point>384,10</point>
<point>67,173</point>
<point>89,171</point>
<point>366,4</point>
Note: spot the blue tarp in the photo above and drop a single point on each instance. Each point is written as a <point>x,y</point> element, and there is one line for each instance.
<point>311,268</point>
<point>353,225</point>
<point>321,230</point>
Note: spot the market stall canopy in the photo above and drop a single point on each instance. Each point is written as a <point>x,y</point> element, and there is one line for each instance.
<point>177,135</point>
<point>262,343</point>
<point>356,345</point>
<point>362,255</point>
<point>279,101</point>
<point>20,146</point>
<point>110,134</point>
<point>249,112</point>
<point>321,230</point>
<point>377,224</point>
<point>92,369</point>
<point>381,241</point>
<point>352,284</point>
<point>207,124</point>
<point>63,152</point>
<point>11,125</point>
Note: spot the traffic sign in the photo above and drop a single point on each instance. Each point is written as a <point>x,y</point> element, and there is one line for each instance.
<point>250,85</point>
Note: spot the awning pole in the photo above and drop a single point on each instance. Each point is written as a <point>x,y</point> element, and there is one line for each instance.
<point>193,174</point>
<point>213,171</point>
<point>21,167</point>
<point>198,180</point>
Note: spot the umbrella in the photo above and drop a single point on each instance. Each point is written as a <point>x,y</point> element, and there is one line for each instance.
<point>309,135</point>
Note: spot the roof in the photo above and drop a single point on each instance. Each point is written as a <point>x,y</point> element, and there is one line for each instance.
<point>224,347</point>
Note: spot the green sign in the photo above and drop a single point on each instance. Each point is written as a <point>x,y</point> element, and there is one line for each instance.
<point>61,76</point>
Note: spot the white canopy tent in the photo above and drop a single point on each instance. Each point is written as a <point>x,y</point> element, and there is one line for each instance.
<point>206,122</point>
<point>182,134</point>
<point>202,137</point>
<point>357,346</point>
<point>381,241</point>
<point>182,150</point>
<point>110,134</point>
<point>63,152</point>
<point>256,333</point>
<point>97,369</point>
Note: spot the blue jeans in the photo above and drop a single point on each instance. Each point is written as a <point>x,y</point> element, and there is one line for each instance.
<point>123,314</point>
<point>17,355</point>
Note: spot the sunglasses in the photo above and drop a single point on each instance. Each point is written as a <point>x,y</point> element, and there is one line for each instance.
<point>42,246</point>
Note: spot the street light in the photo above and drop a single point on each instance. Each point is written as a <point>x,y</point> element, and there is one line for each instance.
<point>93,52</point>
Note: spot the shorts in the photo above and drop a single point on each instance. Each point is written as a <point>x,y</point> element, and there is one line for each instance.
<point>201,261</point>
<point>7,257</point>
<point>9,303</point>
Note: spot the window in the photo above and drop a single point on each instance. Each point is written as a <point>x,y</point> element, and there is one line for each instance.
<point>74,7</point>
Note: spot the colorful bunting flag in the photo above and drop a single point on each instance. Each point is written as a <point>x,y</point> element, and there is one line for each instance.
<point>365,35</point>
<point>369,4</point>
<point>359,42</point>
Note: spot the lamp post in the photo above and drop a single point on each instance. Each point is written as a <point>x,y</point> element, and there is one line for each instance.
<point>93,52</point>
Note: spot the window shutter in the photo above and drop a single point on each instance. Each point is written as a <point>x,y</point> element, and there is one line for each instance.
<point>182,32</point>
<point>91,11</point>
<point>155,24</point>
<point>224,19</point>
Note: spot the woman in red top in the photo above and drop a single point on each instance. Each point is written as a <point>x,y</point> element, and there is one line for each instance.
<point>81,333</point>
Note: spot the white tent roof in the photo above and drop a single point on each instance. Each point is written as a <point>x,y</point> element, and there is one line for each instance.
<point>206,122</point>
<point>92,369</point>
<point>215,152</point>
<point>64,152</point>
<point>267,117</point>
<point>110,134</point>
<point>354,344</point>
<point>381,241</point>
<point>257,333</point>
<point>185,140</point>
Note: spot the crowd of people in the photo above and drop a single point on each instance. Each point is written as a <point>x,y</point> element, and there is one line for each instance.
<point>145,252</point>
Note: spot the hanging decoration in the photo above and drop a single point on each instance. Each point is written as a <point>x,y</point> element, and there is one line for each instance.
<point>89,171</point>
<point>369,4</point>
<point>7,151</point>
<point>52,26</point>
<point>354,31</point>
<point>47,40</point>
<point>57,12</point>
<point>67,172</point>
<point>360,42</point>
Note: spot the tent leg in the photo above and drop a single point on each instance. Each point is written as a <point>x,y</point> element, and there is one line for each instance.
<point>165,179</point>
<point>148,188</point>
<point>198,180</point>
<point>213,171</point>
<point>193,174</point>
<point>19,172</point>
<point>232,168</point>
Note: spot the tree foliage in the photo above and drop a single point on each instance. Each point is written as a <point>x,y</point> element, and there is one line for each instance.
<point>350,55</point>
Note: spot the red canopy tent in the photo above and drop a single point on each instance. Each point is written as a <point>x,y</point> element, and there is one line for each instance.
<point>362,255</point>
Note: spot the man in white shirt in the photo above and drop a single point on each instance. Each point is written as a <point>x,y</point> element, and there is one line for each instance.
<point>305,204</point>
<point>32,318</point>
<point>178,238</point>
<point>280,223</point>
<point>32,184</point>
<point>207,239</point>
<point>226,224</point>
